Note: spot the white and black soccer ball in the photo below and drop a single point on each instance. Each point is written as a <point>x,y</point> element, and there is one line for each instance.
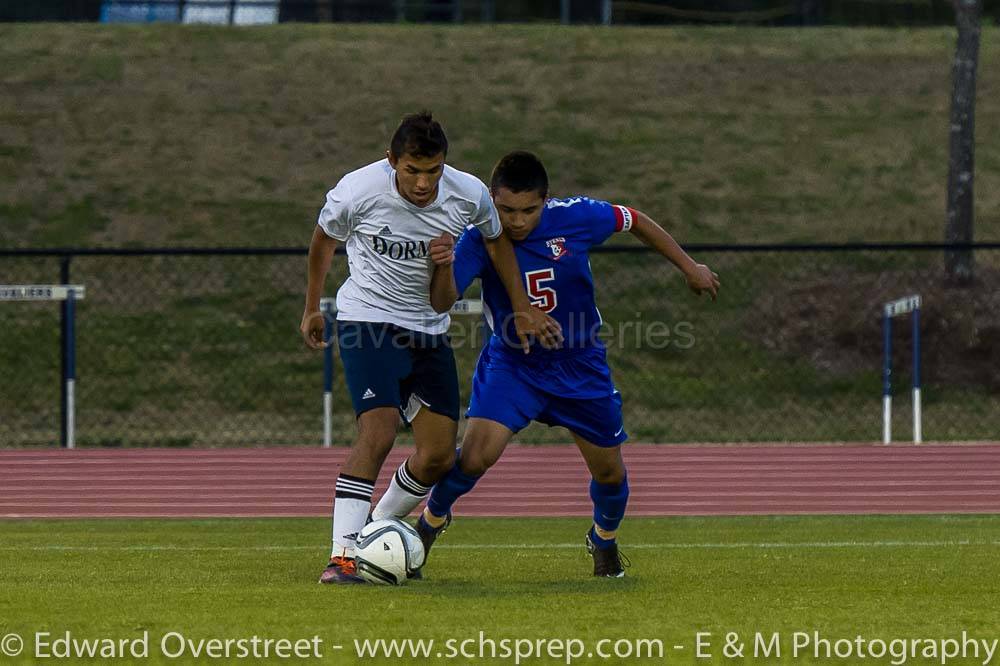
<point>388,550</point>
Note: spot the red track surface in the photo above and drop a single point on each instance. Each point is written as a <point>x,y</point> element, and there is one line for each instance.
<point>528,481</point>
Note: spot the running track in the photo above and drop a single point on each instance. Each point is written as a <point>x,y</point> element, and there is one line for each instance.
<point>528,481</point>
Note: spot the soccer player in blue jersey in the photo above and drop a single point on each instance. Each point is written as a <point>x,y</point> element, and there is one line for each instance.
<point>570,386</point>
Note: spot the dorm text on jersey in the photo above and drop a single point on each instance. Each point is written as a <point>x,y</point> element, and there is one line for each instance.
<point>387,240</point>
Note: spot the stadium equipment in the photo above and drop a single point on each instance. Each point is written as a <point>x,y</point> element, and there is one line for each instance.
<point>68,294</point>
<point>910,304</point>
<point>388,552</point>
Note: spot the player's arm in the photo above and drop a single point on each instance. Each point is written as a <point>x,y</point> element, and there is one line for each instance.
<point>333,226</point>
<point>321,250</point>
<point>444,293</point>
<point>700,277</point>
<point>529,321</point>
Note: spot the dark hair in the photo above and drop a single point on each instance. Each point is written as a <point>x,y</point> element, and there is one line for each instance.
<point>520,171</point>
<point>418,135</point>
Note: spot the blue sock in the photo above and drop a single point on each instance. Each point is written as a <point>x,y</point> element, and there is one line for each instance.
<point>447,491</point>
<point>610,500</point>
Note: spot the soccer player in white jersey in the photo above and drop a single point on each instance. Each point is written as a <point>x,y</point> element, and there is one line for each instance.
<point>398,218</point>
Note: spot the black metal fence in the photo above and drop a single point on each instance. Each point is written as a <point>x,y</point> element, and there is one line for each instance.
<point>201,347</point>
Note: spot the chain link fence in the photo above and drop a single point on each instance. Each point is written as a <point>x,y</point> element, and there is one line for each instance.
<point>187,349</point>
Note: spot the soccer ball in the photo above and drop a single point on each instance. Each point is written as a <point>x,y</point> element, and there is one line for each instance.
<point>388,550</point>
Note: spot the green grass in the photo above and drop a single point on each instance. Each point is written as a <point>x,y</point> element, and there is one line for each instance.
<point>881,577</point>
<point>201,135</point>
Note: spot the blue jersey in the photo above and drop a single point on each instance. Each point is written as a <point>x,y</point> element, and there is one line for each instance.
<point>555,266</point>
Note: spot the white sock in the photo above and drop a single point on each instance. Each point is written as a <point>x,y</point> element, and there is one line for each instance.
<point>351,503</point>
<point>403,495</point>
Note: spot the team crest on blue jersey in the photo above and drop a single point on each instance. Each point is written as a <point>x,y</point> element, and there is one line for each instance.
<point>558,247</point>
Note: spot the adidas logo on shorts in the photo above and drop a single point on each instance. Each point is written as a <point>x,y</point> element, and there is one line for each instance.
<point>368,394</point>
<point>385,231</point>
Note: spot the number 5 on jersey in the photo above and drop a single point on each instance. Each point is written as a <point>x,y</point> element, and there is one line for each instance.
<point>543,298</point>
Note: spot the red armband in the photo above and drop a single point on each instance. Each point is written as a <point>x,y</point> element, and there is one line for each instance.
<point>624,217</point>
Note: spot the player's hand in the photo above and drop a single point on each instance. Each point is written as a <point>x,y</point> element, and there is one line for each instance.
<point>313,328</point>
<point>703,280</point>
<point>536,324</point>
<point>442,250</point>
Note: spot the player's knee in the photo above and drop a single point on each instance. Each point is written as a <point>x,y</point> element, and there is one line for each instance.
<point>475,462</point>
<point>372,450</point>
<point>610,472</point>
<point>375,436</point>
<point>429,467</point>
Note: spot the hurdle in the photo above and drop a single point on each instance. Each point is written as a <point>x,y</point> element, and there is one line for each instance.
<point>68,294</point>
<point>328,306</point>
<point>902,306</point>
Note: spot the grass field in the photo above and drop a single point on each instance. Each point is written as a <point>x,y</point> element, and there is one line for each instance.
<point>881,577</point>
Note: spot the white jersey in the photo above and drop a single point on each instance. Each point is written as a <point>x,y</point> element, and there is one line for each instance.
<point>387,241</point>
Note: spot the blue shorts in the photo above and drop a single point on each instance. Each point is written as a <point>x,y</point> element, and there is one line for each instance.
<point>389,366</point>
<point>576,393</point>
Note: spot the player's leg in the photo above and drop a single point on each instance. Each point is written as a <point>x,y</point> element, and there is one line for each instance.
<point>356,483</point>
<point>609,492</point>
<point>372,370</point>
<point>434,436</point>
<point>483,444</point>
<point>431,395</point>
<point>501,405</point>
<point>608,488</point>
<point>598,430</point>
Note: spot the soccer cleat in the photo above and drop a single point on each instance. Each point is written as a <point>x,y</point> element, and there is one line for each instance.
<point>341,570</point>
<point>428,535</point>
<point>608,562</point>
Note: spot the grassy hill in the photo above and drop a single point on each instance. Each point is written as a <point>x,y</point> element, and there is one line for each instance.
<point>193,136</point>
<point>162,135</point>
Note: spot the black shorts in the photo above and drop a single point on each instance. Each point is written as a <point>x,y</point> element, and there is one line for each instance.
<point>389,366</point>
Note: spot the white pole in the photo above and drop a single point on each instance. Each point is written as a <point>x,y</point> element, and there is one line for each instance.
<point>328,307</point>
<point>918,435</point>
<point>886,419</point>
<point>70,370</point>
<point>327,419</point>
<point>70,414</point>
